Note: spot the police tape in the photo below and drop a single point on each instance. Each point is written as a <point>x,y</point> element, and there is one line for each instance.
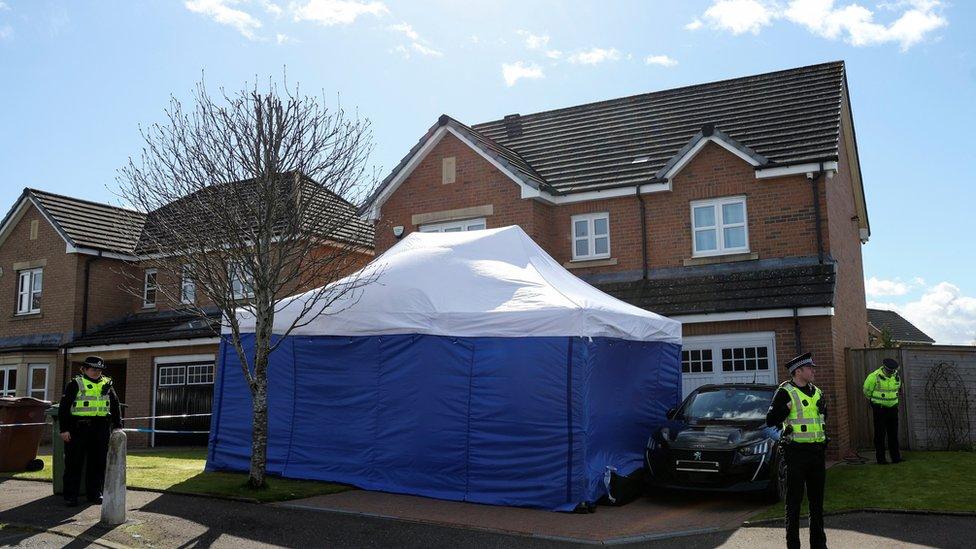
<point>174,416</point>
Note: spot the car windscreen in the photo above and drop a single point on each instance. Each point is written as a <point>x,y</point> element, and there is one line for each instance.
<point>731,404</point>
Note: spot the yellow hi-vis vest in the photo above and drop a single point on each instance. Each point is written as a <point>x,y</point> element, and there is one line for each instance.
<point>882,389</point>
<point>805,416</point>
<point>90,401</point>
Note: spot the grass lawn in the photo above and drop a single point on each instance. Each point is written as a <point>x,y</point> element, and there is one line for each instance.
<point>181,471</point>
<point>925,481</point>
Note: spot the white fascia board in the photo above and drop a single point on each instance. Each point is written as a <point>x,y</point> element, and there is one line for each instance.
<point>176,359</point>
<point>730,338</point>
<point>69,249</point>
<point>699,146</point>
<point>610,193</point>
<point>145,345</point>
<point>796,169</point>
<point>752,315</point>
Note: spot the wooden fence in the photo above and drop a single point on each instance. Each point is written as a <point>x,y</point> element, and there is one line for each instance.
<point>917,420</point>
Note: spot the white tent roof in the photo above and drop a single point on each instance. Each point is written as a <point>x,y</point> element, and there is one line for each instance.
<point>489,283</point>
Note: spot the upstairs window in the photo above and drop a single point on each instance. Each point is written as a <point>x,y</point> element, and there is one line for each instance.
<point>719,226</point>
<point>29,285</point>
<point>454,226</point>
<point>241,281</point>
<point>591,236</point>
<point>149,288</point>
<point>188,288</point>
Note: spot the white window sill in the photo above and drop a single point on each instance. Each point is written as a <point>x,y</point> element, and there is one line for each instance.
<point>26,316</point>
<point>721,258</point>
<point>586,263</point>
<point>150,306</point>
<point>699,255</point>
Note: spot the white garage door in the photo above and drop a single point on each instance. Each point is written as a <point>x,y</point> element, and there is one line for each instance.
<point>727,358</point>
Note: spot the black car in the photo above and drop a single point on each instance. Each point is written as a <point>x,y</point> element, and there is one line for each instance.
<point>717,440</point>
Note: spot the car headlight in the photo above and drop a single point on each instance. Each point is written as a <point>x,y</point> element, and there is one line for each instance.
<point>756,448</point>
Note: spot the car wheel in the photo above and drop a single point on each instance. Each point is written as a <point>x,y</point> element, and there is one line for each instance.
<point>777,481</point>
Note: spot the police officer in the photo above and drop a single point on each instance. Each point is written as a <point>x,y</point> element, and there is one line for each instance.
<point>881,388</point>
<point>89,410</point>
<point>800,407</point>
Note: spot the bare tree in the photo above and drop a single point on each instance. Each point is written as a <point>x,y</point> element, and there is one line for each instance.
<point>250,199</point>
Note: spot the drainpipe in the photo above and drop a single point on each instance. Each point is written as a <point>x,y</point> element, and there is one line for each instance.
<point>84,297</point>
<point>797,343</point>
<point>643,229</point>
<point>815,187</point>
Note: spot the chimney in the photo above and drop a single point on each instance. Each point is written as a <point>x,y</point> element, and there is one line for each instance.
<point>513,125</point>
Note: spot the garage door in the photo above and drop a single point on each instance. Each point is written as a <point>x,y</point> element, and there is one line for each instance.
<point>727,358</point>
<point>183,387</point>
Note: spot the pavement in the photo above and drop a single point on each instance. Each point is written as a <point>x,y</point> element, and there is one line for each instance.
<point>35,518</point>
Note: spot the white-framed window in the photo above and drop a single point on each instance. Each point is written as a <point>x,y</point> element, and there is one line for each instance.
<point>719,226</point>
<point>188,288</point>
<point>591,236</point>
<point>454,226</point>
<point>8,381</point>
<point>172,375</point>
<point>241,281</point>
<point>149,288</point>
<point>30,282</point>
<point>37,380</point>
<point>199,374</point>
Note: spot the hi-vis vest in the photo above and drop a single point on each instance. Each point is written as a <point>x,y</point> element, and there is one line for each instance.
<point>90,402</point>
<point>805,417</point>
<point>882,389</point>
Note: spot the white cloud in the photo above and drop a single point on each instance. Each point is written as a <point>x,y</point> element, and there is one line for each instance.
<point>554,54</point>
<point>6,32</point>
<point>513,72</point>
<point>424,50</point>
<point>662,60</point>
<point>271,7</point>
<point>594,56</point>
<point>223,12</point>
<point>877,287</point>
<point>4,6</point>
<point>534,41</point>
<point>739,16</point>
<point>406,29</point>
<point>336,12</point>
<point>855,23</point>
<point>282,38</point>
<point>944,314</point>
<point>851,22</point>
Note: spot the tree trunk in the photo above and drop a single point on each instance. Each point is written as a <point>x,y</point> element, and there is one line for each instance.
<point>259,440</point>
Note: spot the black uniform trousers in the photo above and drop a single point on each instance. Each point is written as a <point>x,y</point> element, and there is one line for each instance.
<point>805,468</point>
<point>886,427</point>
<point>87,450</point>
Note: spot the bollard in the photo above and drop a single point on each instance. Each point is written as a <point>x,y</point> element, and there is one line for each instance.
<point>113,492</point>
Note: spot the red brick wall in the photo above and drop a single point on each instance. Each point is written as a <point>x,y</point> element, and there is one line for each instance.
<point>58,297</point>
<point>849,326</point>
<point>478,183</point>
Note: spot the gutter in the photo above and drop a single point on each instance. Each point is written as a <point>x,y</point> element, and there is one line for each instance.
<point>815,188</point>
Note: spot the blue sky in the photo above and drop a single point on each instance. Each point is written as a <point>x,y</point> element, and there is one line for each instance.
<point>77,79</point>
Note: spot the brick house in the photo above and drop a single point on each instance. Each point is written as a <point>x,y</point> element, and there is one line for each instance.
<point>70,268</point>
<point>735,207</point>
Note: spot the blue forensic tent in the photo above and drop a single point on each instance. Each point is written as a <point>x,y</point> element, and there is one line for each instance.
<point>475,368</point>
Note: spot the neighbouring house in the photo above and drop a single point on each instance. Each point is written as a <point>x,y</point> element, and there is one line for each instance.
<point>68,267</point>
<point>896,328</point>
<point>735,207</point>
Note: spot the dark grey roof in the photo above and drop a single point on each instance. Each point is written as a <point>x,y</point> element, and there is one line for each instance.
<point>901,330</point>
<point>751,285</point>
<point>88,224</point>
<point>156,326</point>
<point>195,213</point>
<point>32,342</point>
<point>786,117</point>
